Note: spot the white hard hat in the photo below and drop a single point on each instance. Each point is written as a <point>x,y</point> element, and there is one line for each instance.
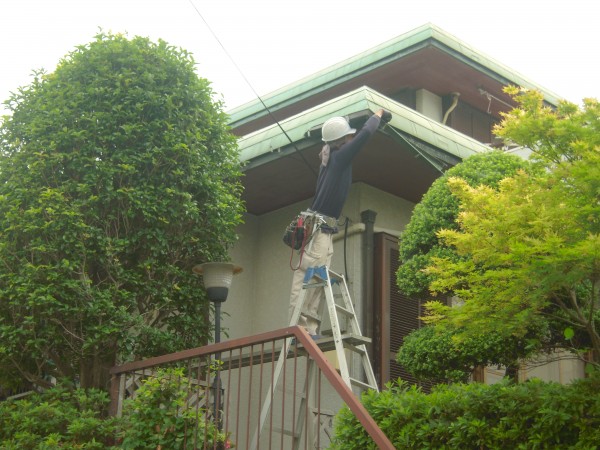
<point>336,128</point>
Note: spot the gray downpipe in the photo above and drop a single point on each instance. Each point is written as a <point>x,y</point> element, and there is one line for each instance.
<point>367,306</point>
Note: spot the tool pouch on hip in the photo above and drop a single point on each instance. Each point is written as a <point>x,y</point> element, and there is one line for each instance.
<point>296,233</point>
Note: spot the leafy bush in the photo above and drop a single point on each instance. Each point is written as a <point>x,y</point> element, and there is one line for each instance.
<point>60,417</point>
<point>438,210</point>
<point>531,415</point>
<point>160,416</point>
<point>432,354</point>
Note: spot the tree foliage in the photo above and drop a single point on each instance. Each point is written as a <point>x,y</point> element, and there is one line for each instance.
<point>60,417</point>
<point>436,355</point>
<point>160,415</point>
<point>438,210</point>
<point>432,354</point>
<point>531,249</point>
<point>117,174</point>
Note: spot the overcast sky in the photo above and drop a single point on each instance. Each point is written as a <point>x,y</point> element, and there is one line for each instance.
<point>273,43</point>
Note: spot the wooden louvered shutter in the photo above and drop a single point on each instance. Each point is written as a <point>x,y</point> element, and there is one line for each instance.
<point>396,315</point>
<point>404,319</point>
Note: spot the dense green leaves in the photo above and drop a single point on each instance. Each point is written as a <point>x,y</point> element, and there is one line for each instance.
<point>58,418</point>
<point>437,355</point>
<point>531,249</point>
<point>438,210</point>
<point>532,415</point>
<point>118,174</point>
<point>162,416</point>
<point>434,354</point>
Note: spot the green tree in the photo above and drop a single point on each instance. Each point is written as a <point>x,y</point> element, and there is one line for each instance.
<point>118,174</point>
<point>531,249</point>
<point>434,354</point>
<point>438,210</point>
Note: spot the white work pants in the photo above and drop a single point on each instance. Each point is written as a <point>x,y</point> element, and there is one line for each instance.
<point>318,253</point>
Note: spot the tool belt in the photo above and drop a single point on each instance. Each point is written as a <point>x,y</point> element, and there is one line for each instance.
<point>320,218</point>
<point>299,232</point>
<point>327,224</point>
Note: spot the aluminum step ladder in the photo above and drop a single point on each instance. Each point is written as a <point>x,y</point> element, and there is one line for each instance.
<point>339,305</point>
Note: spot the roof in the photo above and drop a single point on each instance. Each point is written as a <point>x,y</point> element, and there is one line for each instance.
<point>280,132</point>
<point>306,126</point>
<point>395,49</point>
<point>403,158</point>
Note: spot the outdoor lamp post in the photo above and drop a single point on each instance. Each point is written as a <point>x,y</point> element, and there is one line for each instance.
<point>217,278</point>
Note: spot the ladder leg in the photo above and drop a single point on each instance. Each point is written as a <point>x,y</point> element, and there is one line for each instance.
<point>305,406</point>
<point>337,332</point>
<point>355,328</point>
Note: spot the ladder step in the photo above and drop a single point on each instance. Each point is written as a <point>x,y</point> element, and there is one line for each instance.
<point>319,273</point>
<point>360,349</point>
<point>361,384</point>
<point>314,285</point>
<point>286,432</point>
<point>344,310</point>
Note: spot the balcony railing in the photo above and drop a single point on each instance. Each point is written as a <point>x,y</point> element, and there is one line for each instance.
<point>231,387</point>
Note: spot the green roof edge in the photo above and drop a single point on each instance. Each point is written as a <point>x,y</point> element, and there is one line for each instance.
<point>272,139</point>
<point>331,75</point>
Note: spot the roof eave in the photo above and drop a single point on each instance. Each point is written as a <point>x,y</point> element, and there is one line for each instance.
<point>303,129</point>
<point>393,49</point>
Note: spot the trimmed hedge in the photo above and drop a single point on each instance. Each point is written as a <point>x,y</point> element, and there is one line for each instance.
<point>531,415</point>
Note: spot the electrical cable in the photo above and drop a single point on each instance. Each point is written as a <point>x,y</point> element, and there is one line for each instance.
<point>272,117</point>
<point>252,88</point>
<point>345,242</point>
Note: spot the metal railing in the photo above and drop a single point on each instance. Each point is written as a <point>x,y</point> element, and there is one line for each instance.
<point>230,390</point>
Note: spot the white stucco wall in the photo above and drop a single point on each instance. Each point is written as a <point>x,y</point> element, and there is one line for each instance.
<point>259,297</point>
<point>560,367</point>
<point>240,302</point>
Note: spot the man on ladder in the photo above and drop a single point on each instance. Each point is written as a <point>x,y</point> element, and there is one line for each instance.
<point>342,144</point>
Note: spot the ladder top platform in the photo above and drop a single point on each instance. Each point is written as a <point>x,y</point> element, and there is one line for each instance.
<point>327,343</point>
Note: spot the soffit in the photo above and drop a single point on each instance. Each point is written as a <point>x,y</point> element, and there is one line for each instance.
<point>402,159</point>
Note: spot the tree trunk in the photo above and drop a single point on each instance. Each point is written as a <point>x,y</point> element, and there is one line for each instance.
<point>512,372</point>
<point>94,371</point>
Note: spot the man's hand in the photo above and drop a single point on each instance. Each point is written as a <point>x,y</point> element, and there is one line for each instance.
<point>385,116</point>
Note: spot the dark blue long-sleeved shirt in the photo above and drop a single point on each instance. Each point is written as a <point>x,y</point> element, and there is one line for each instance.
<point>335,179</point>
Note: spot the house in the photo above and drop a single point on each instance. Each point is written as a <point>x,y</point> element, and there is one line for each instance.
<point>445,97</point>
